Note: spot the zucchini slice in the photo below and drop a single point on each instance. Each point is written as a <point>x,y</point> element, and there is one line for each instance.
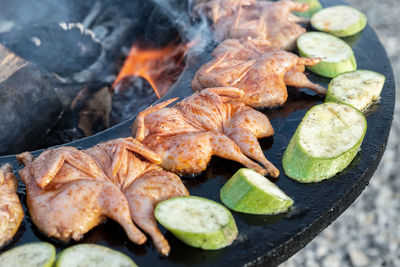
<point>250,192</point>
<point>314,6</point>
<point>326,141</point>
<point>197,221</point>
<point>336,55</point>
<point>87,255</point>
<point>357,88</point>
<point>37,254</point>
<point>341,21</point>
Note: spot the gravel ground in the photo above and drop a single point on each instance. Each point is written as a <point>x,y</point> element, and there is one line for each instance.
<point>368,233</point>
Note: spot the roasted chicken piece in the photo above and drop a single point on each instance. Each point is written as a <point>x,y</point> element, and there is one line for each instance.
<point>68,194</point>
<point>142,195</point>
<point>71,191</point>
<point>143,183</point>
<point>11,212</point>
<point>260,71</point>
<point>266,20</point>
<point>211,122</point>
<point>216,9</point>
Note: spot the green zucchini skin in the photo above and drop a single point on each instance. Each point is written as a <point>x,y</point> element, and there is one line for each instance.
<point>314,7</point>
<point>240,195</point>
<point>330,96</point>
<point>209,241</point>
<point>353,29</point>
<point>331,70</point>
<point>220,238</point>
<point>303,168</point>
<point>38,254</point>
<point>327,68</point>
<point>92,255</point>
<point>350,30</point>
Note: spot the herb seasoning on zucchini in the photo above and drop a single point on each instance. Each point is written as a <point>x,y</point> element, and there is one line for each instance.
<point>326,141</point>
<point>358,88</point>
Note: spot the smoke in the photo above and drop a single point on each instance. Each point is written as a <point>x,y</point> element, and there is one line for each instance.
<point>25,13</point>
<point>192,29</point>
<point>53,37</point>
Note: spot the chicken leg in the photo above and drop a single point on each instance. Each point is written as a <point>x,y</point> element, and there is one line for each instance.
<point>147,190</point>
<point>244,128</point>
<point>264,81</point>
<point>72,200</point>
<point>11,213</point>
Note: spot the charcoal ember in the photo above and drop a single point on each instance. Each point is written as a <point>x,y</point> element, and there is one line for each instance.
<point>131,95</point>
<point>29,105</point>
<point>62,134</point>
<point>87,114</point>
<point>94,110</point>
<point>63,48</point>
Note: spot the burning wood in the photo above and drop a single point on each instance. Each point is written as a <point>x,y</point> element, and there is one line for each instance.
<point>87,112</point>
<point>75,62</point>
<point>29,105</point>
<point>160,67</point>
<point>61,48</point>
<point>132,94</point>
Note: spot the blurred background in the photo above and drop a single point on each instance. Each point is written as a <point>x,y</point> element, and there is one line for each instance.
<point>368,233</point>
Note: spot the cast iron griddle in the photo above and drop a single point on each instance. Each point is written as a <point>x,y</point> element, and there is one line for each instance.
<point>262,240</point>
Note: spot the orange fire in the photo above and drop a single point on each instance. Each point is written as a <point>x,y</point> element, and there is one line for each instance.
<point>160,67</point>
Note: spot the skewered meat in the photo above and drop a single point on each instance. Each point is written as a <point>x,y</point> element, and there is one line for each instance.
<point>211,122</point>
<point>11,213</point>
<point>266,20</point>
<point>260,71</point>
<point>71,191</point>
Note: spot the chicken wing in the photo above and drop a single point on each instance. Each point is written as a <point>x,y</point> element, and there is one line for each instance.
<point>260,71</point>
<point>208,123</point>
<point>71,191</point>
<point>11,213</point>
<point>266,20</point>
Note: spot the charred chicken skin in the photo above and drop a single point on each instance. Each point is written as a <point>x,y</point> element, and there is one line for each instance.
<point>265,20</point>
<point>11,212</point>
<point>71,191</point>
<point>260,71</point>
<point>210,122</point>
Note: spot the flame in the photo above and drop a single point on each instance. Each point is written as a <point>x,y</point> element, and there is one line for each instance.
<point>160,67</point>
